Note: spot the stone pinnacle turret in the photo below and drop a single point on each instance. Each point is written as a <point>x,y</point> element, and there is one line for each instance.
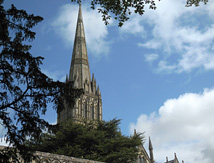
<point>151,151</point>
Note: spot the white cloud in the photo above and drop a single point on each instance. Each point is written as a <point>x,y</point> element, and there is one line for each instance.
<point>95,30</point>
<point>150,44</point>
<point>55,75</point>
<point>134,26</point>
<point>151,57</point>
<point>183,125</point>
<point>210,9</point>
<point>164,66</point>
<point>184,33</point>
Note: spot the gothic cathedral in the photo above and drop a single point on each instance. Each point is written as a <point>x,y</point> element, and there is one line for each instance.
<point>89,105</point>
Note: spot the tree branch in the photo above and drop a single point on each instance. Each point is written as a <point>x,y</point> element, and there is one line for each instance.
<point>15,101</point>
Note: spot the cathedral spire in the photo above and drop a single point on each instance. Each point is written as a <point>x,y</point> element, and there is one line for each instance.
<point>79,69</point>
<point>89,105</point>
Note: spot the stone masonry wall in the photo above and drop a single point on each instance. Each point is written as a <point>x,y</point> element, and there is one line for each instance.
<point>43,157</point>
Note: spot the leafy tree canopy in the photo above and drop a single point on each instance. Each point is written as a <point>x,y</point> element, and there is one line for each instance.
<point>122,9</point>
<point>102,143</point>
<point>24,90</point>
<point>195,2</point>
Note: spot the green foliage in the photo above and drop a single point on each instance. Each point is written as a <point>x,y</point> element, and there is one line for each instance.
<point>99,141</point>
<point>195,2</point>
<point>120,9</point>
<point>24,90</point>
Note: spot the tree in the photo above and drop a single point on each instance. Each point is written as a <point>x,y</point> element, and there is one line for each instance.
<point>99,141</point>
<point>120,9</point>
<point>24,90</point>
<point>195,2</point>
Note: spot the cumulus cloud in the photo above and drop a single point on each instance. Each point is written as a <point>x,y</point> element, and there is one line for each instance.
<point>183,125</point>
<point>95,30</point>
<point>182,33</point>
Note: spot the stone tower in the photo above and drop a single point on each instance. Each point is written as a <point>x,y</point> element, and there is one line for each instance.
<point>89,105</point>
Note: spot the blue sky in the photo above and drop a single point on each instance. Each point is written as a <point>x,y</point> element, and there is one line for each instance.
<point>155,73</point>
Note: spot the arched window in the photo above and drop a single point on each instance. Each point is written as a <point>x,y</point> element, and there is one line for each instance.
<point>143,160</point>
<point>92,112</point>
<point>97,112</point>
<point>79,111</point>
<point>85,110</point>
<point>138,161</point>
